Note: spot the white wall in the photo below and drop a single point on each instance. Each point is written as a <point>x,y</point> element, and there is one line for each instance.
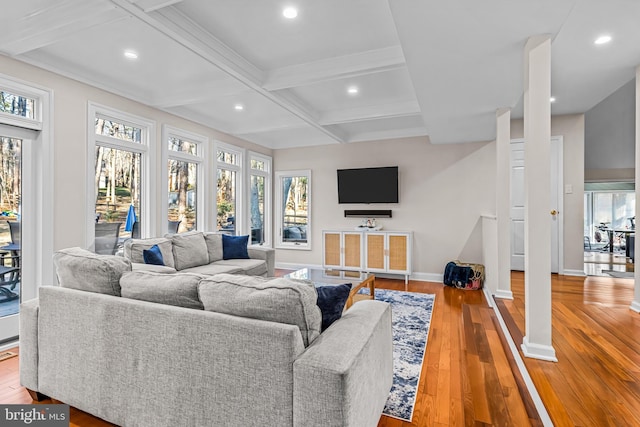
<point>609,152</point>
<point>571,128</point>
<point>70,146</point>
<point>443,191</point>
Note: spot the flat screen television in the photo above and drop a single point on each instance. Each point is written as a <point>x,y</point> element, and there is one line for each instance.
<point>368,185</point>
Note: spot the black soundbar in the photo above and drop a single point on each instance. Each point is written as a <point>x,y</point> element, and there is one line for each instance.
<point>369,213</point>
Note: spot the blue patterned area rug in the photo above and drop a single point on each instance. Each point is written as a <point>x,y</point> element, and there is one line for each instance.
<point>411,316</point>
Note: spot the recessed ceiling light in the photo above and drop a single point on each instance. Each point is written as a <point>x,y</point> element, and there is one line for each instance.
<point>290,12</point>
<point>552,99</point>
<point>130,54</point>
<point>603,39</point>
<point>238,107</point>
<point>352,90</point>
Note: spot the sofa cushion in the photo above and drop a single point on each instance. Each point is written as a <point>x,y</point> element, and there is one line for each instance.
<point>152,256</point>
<point>214,246</point>
<point>189,250</point>
<point>250,267</point>
<point>135,266</point>
<point>80,269</point>
<point>133,249</point>
<point>331,300</point>
<point>275,299</point>
<point>215,268</point>
<point>235,247</point>
<point>180,289</point>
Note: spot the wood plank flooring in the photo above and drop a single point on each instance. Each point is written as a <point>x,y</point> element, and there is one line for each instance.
<point>469,379</point>
<point>596,381</point>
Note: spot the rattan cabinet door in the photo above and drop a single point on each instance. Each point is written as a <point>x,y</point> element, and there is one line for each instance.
<point>375,258</point>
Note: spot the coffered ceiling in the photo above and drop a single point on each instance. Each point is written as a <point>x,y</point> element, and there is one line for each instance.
<point>432,68</point>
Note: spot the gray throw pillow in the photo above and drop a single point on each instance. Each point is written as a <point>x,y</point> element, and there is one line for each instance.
<point>80,269</point>
<point>179,289</point>
<point>275,299</point>
<point>133,250</point>
<point>214,246</point>
<point>189,250</point>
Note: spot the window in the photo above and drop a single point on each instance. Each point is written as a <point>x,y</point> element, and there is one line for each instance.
<point>18,105</point>
<point>229,188</point>
<point>120,187</point>
<point>259,198</point>
<point>27,196</point>
<point>293,209</point>
<point>184,158</point>
<point>608,206</point>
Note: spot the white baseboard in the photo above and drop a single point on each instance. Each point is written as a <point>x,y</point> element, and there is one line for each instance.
<point>427,277</point>
<point>579,273</point>
<point>635,306</point>
<point>533,392</point>
<point>503,294</point>
<point>8,345</point>
<point>294,266</point>
<point>488,296</point>
<point>538,351</point>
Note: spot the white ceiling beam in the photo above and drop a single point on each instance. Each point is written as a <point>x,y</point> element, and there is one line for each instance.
<point>151,5</point>
<point>399,109</point>
<point>55,23</point>
<point>388,134</point>
<point>174,24</point>
<point>341,67</point>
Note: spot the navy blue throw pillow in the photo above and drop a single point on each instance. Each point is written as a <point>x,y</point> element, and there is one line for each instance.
<point>152,255</point>
<point>235,247</point>
<point>331,300</point>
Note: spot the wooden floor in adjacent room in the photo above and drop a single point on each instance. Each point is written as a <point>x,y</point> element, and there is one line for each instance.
<point>469,379</point>
<point>596,381</point>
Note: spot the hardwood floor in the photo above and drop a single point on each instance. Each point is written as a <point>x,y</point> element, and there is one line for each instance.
<point>596,381</point>
<point>469,379</point>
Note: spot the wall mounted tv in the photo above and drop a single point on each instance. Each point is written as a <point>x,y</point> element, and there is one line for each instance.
<point>368,185</point>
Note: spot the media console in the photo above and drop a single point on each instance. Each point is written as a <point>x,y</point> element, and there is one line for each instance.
<point>368,251</point>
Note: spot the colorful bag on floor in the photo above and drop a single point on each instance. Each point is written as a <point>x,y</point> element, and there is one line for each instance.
<point>464,275</point>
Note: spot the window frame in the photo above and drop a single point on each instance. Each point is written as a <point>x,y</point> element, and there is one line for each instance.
<point>238,167</point>
<point>199,159</point>
<point>148,214</point>
<point>278,211</point>
<point>38,176</point>
<point>268,176</point>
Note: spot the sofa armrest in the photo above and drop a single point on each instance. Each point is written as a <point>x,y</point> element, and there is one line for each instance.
<point>138,266</point>
<point>344,377</point>
<point>266,254</point>
<point>29,311</point>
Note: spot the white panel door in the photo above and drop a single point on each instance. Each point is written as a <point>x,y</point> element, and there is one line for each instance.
<point>517,204</point>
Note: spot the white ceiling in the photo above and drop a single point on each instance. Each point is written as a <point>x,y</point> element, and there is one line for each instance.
<point>430,68</point>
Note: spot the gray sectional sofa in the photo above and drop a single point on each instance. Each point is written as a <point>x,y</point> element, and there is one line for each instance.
<point>140,348</point>
<point>199,252</point>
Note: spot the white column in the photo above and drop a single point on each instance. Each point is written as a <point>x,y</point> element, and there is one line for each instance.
<point>635,305</point>
<point>537,182</point>
<point>503,202</point>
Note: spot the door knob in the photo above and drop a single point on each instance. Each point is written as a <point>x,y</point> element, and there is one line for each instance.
<point>554,212</point>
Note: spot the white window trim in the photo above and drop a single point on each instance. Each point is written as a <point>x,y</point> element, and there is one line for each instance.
<point>147,164</point>
<point>202,143</point>
<point>17,87</point>
<point>268,175</point>
<point>37,239</point>
<point>279,243</point>
<point>240,214</point>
